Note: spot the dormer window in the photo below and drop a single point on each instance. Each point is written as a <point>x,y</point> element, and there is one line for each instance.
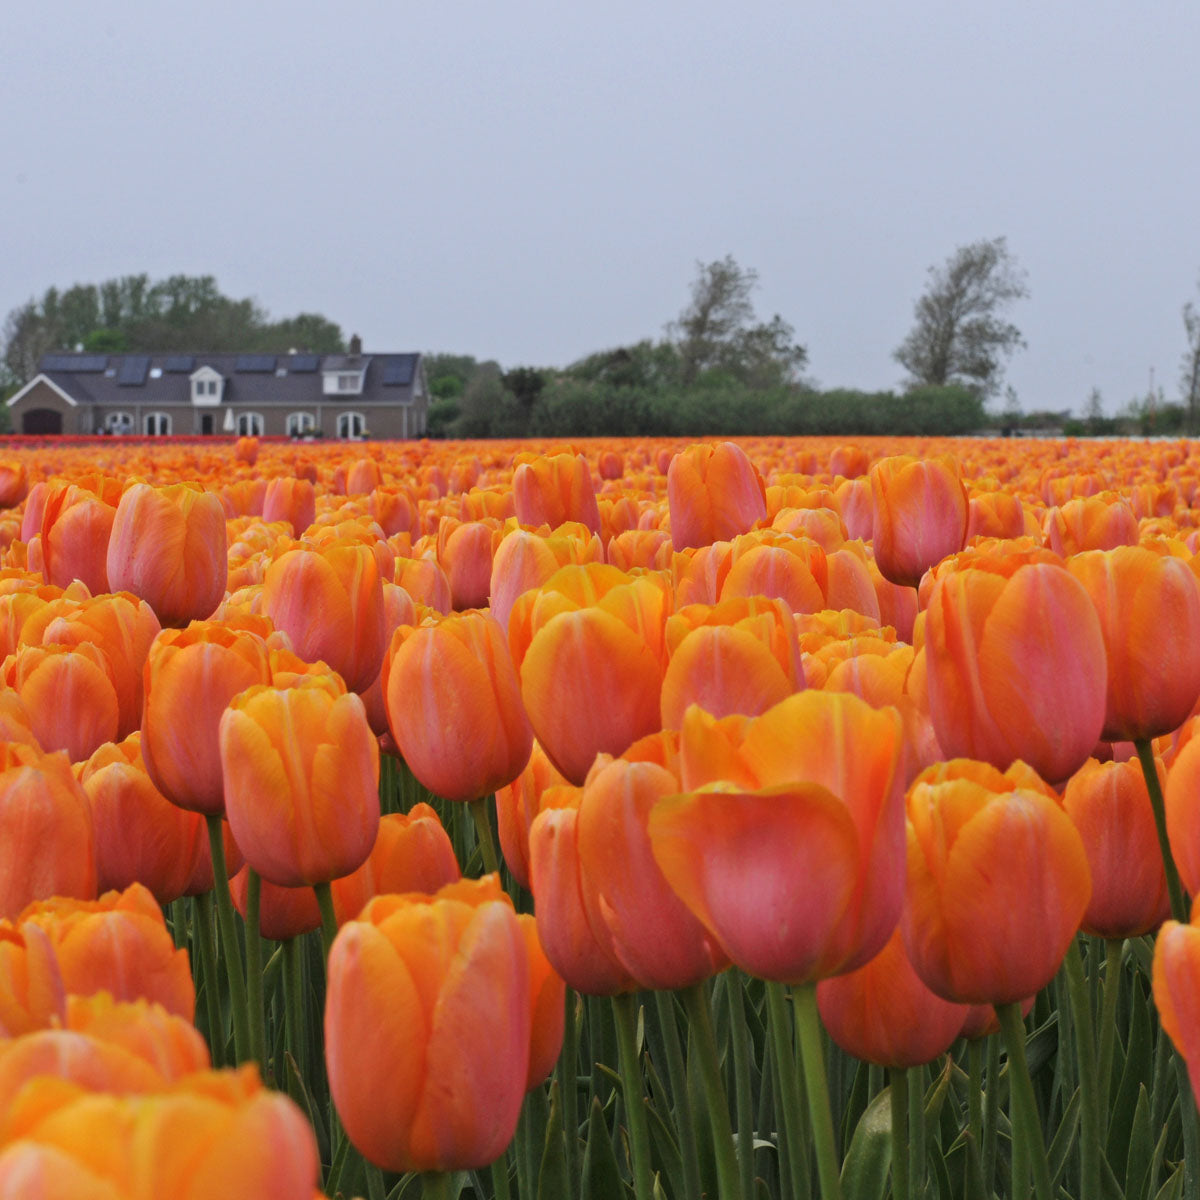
<point>344,374</point>
<point>207,386</point>
<point>350,381</point>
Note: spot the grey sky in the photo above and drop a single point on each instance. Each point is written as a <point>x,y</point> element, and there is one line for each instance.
<point>531,182</point>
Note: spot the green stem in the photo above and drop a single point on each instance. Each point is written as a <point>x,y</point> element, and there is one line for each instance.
<point>739,1035</point>
<point>568,1087</point>
<point>695,1000</point>
<point>435,1185</point>
<point>991,1113</point>
<point>916,1131</point>
<point>1191,1144</point>
<point>625,1008</point>
<point>254,971</point>
<point>375,1188</point>
<point>788,1087</point>
<point>681,1101</point>
<point>500,1177</point>
<point>975,1091</point>
<point>1113,950</point>
<point>293,1010</point>
<point>812,1053</point>
<point>230,942</point>
<point>1089,1079</point>
<point>1145,753</point>
<point>1027,1130</point>
<point>329,926</point>
<point>204,938</point>
<point>483,832</point>
<point>898,1078</point>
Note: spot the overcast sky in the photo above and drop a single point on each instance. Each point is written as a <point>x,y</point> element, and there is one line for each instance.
<point>532,182</point>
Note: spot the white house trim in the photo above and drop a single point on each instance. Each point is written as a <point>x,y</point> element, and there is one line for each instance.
<point>33,383</point>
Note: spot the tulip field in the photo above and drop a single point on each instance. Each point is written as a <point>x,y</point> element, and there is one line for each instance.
<point>618,819</point>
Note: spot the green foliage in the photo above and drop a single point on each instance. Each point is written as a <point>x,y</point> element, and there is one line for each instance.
<point>959,334</point>
<point>132,313</point>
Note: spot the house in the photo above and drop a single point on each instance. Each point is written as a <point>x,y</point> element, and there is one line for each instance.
<point>353,395</point>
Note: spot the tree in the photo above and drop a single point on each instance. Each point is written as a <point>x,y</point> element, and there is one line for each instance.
<point>960,334</point>
<point>1189,379</point>
<point>717,331</point>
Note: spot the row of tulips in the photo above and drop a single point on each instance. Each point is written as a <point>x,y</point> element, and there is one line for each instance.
<point>810,764</point>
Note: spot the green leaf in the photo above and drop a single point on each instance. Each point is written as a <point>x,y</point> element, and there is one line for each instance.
<point>935,1097</point>
<point>869,1159</point>
<point>1141,1146</point>
<point>299,1092</point>
<point>1041,1044</point>
<point>1173,1188</point>
<point>553,1182</point>
<point>1136,1075</point>
<point>601,1174</point>
<point>1065,1137</point>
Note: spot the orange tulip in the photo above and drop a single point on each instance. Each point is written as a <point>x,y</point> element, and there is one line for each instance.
<point>124,627</point>
<point>425,581</point>
<point>995,514</point>
<point>301,770</point>
<point>1110,807</point>
<point>518,804</point>
<point>32,995</point>
<point>423,990</point>
<point>553,490</point>
<point>883,1013</point>
<point>170,1044</point>
<point>14,483</point>
<point>291,500</point>
<point>454,706</point>
<point>795,867</point>
<point>283,912</point>
<point>412,853</point>
<point>725,669</point>
<point>168,547</point>
<point>75,528</point>
<point>1176,984</point>
<point>1183,814</point>
<point>141,837</point>
<point>1149,610</point>
<point>330,603</point>
<point>921,513</point>
<point>547,1006</point>
<point>398,609</point>
<point>191,675</point>
<point>69,694</point>
<point>1100,522</point>
<point>525,560</point>
<point>651,933</point>
<point>795,573</point>
<point>582,953</point>
<point>714,493</point>
<point>465,550</point>
<point>119,944</point>
<point>1016,668</point>
<point>998,883</point>
<point>217,1134</point>
<point>47,842</point>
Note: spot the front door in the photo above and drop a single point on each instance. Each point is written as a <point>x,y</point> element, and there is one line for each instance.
<point>206,423</point>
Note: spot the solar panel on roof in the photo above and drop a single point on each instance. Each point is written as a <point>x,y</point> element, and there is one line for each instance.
<point>256,363</point>
<point>133,370</point>
<point>303,362</point>
<point>179,363</point>
<point>398,371</point>
<point>74,362</point>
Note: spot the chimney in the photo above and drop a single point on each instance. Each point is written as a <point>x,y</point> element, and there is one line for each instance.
<point>356,345</point>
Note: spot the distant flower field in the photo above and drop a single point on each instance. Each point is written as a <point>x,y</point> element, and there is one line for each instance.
<point>757,818</point>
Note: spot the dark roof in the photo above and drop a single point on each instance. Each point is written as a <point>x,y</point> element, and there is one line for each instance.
<point>250,379</point>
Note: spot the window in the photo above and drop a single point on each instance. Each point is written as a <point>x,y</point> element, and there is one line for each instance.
<point>119,423</point>
<point>300,423</point>
<point>157,424</point>
<point>350,381</point>
<point>249,424</point>
<point>351,425</point>
<point>212,387</point>
<point>156,372</point>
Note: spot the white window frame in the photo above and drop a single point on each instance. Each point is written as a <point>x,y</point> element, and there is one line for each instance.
<point>250,424</point>
<point>300,423</point>
<point>158,420</point>
<point>120,423</point>
<point>346,422</point>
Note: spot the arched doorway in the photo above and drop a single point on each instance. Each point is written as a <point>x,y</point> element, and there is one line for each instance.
<point>41,420</point>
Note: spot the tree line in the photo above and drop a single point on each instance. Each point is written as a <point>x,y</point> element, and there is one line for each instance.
<point>135,314</point>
